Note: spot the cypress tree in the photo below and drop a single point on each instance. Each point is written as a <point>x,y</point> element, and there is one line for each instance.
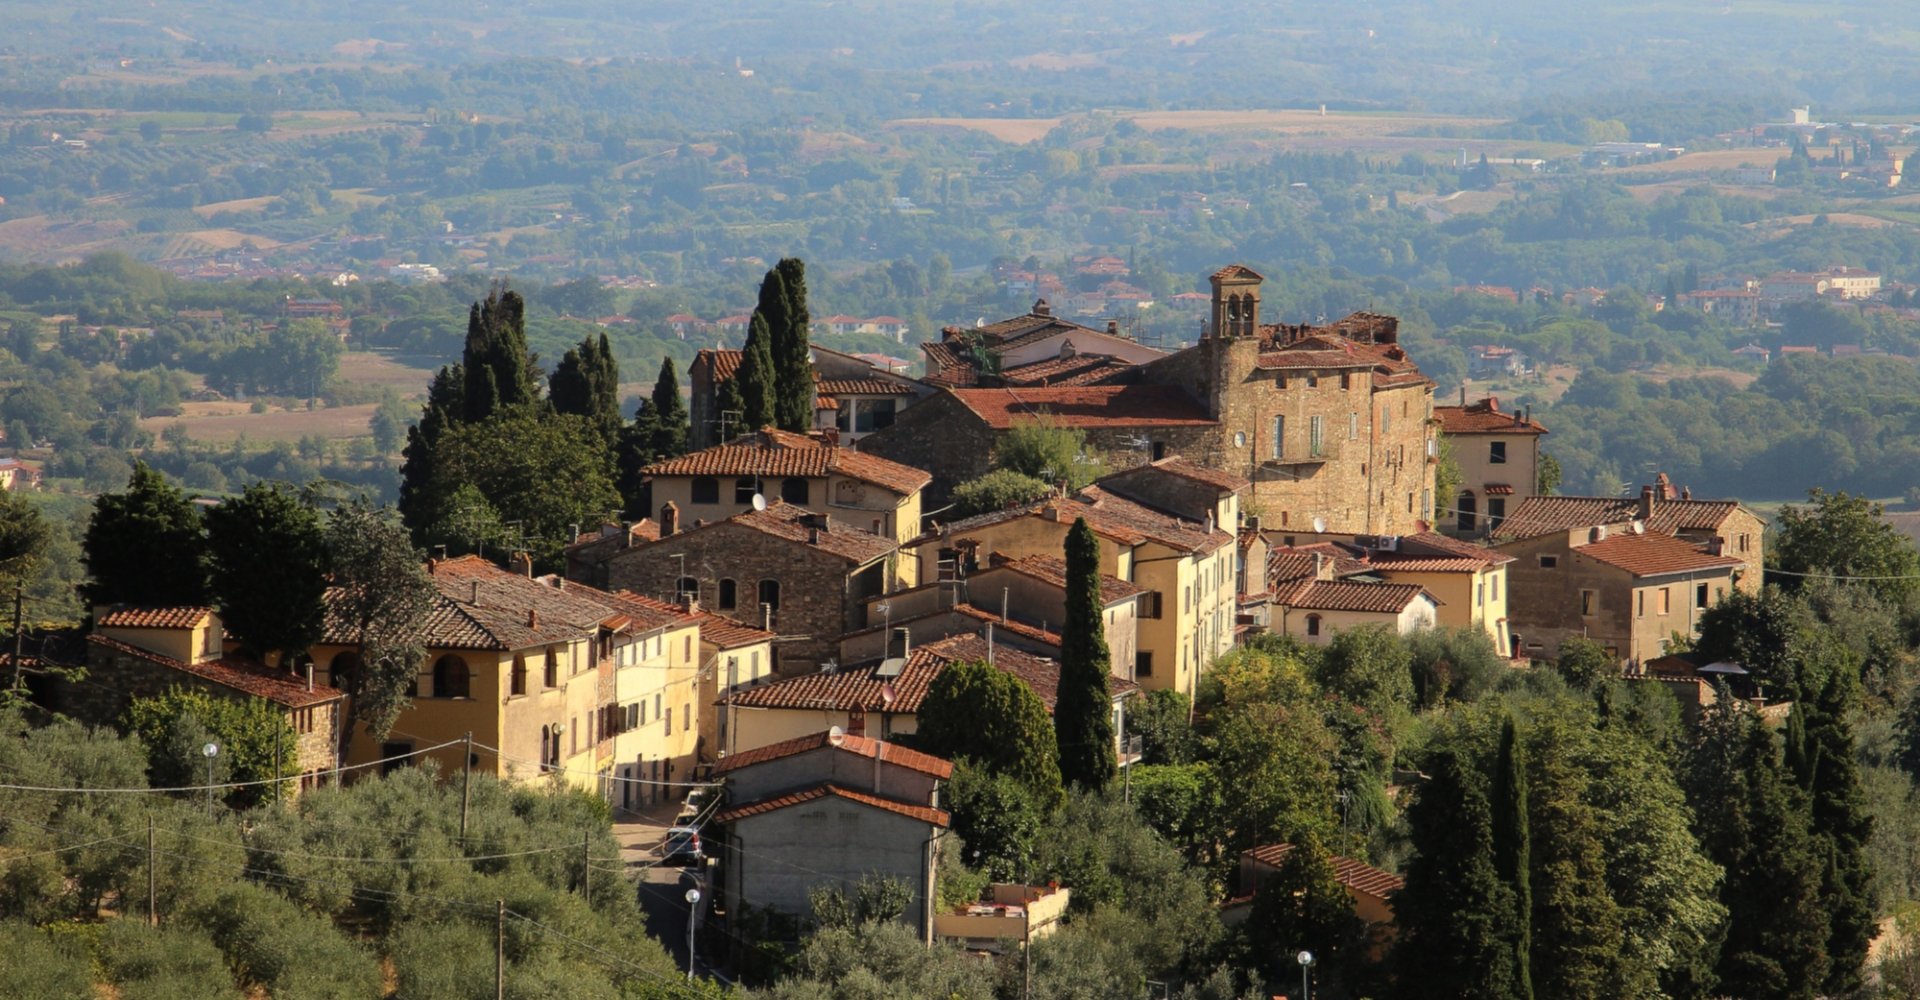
<point>1752,820</point>
<point>670,428</point>
<point>587,382</point>
<point>444,407</point>
<point>499,372</point>
<point>1083,709</point>
<point>756,375</point>
<point>1511,846</point>
<point>792,354</point>
<point>1842,824</point>
<point>1576,927</point>
<point>1453,911</point>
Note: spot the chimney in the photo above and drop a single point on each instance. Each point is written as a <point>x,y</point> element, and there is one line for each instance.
<point>1686,492</point>
<point>1646,503</point>
<point>1113,327</point>
<point>989,644</point>
<point>309,678</point>
<point>899,642</point>
<point>1463,394</point>
<point>813,534</point>
<point>830,437</point>
<point>669,519</point>
<point>473,592</point>
<point>1253,523</point>
<point>1040,308</point>
<point>1322,567</point>
<point>521,563</point>
<point>533,619</point>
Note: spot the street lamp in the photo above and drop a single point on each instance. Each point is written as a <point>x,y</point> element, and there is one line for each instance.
<point>693,908</point>
<point>1305,958</point>
<point>210,751</point>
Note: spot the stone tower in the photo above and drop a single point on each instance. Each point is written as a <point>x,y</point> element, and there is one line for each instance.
<point>1236,303</point>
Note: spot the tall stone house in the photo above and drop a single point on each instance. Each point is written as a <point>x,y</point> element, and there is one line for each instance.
<point>852,396</point>
<point>141,652</point>
<point>1718,527</point>
<point>1498,453</point>
<point>784,569</point>
<point>1033,350</point>
<point>859,491</point>
<point>1332,425</point>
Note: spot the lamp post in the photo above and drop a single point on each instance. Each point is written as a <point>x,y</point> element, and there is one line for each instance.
<point>210,751</point>
<point>693,908</point>
<point>1305,958</point>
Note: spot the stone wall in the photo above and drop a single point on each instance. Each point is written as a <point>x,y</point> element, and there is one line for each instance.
<point>784,855</point>
<point>821,594</point>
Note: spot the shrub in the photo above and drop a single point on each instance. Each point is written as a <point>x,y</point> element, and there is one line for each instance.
<point>996,490</point>
<point>294,954</point>
<point>37,967</point>
<point>171,963</point>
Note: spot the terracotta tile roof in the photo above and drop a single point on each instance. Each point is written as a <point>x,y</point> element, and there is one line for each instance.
<point>482,606</point>
<point>925,814</point>
<point>644,614</point>
<point>1111,516</point>
<point>1316,352</point>
<point>776,453</point>
<point>723,632</point>
<point>1653,554</point>
<point>1079,369</point>
<point>1350,595</point>
<point>1021,330</point>
<point>1185,468</point>
<point>861,387</point>
<point>131,616</point>
<point>723,363</point>
<point>1355,875</point>
<point>1052,570</point>
<point>1484,417</point>
<point>1432,544</point>
<point>1288,563</point>
<point>786,521</point>
<point>1238,271</point>
<point>245,676</point>
<point>861,688</point>
<point>860,746</point>
<point>1499,490</point>
<point>1087,406</point>
<point>979,614</point>
<point>1405,563</point>
<point>1536,516</point>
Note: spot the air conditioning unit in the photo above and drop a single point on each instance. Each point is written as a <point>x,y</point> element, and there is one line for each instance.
<point>1388,543</point>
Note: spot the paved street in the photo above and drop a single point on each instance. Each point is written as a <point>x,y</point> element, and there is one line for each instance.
<point>662,888</point>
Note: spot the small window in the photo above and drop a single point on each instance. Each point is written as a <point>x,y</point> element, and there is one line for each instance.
<point>1280,437</point>
<point>1313,381</point>
<point>729,594</point>
<point>452,678</point>
<point>1549,562</point>
<point>1143,664</point>
<point>1700,596</point>
<point>706,489</point>
<point>553,666</point>
<point>1480,595</point>
<point>793,490</point>
<point>1666,600</point>
<point>686,587</point>
<point>1159,450</point>
<point>1313,624</point>
<point>1589,602</point>
<point>770,594</point>
<point>1353,426</point>
<point>1640,603</point>
<point>1497,452</point>
<point>1386,419</point>
<point>1346,380</point>
<point>518,679</point>
<point>1316,436</point>
<point>1467,511</point>
<point>744,489</point>
<point>1496,511</point>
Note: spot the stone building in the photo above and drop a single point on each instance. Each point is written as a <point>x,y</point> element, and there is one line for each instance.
<point>785,569</point>
<point>1498,453</point>
<point>1038,348</point>
<point>853,395</point>
<point>141,652</point>
<point>860,491</point>
<point>830,809</point>
<point>1629,589</point>
<point>1720,527</point>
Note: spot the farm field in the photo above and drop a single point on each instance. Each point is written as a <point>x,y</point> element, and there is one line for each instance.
<point>222,422</point>
<point>1335,124</point>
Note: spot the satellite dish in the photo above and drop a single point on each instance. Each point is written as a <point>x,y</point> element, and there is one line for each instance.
<point>836,735</point>
<point>1319,525</point>
<point>759,502</point>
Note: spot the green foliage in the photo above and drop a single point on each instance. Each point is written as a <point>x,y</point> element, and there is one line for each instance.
<point>165,963</point>
<point>1845,536</point>
<point>519,461</point>
<point>1821,756</point>
<point>256,744</point>
<point>38,967</point>
<point>380,600</point>
<point>1272,770</point>
<point>668,413</point>
<point>267,562</point>
<point>1512,858</point>
<point>1763,632</point>
<point>875,899</point>
<point>498,372</point>
<point>1160,719</point>
<point>788,319</point>
<point>144,546</point>
<point>997,818</point>
<point>994,719</point>
<point>1547,475</point>
<point>290,952</point>
<point>24,536</point>
<point>1083,707</point>
<point>1040,448</point>
<point>757,375</point>
<point>1303,906</point>
<point>997,490</point>
<point>1585,663</point>
<point>1752,821</point>
<point>880,961</point>
<point>1369,666</point>
<point>1446,479</point>
<point>1453,665</point>
<point>586,383</point>
<point>1177,801</point>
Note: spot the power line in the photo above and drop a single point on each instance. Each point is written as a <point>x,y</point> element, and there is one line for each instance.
<point>227,785</point>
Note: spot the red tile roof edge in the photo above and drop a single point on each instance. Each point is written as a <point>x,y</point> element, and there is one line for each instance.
<point>282,689</point>
<point>890,753</point>
<point>926,814</point>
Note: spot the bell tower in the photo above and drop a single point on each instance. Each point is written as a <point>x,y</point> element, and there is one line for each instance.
<point>1236,302</point>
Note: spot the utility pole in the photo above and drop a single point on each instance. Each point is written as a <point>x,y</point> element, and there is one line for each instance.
<point>500,952</point>
<point>466,789</point>
<point>19,593</point>
<point>153,910</point>
<point>586,866</point>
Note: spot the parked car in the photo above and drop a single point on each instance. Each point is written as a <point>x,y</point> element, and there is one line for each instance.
<point>682,847</point>
<point>697,800</point>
